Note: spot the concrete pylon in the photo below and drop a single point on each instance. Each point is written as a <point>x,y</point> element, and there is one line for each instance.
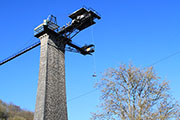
<point>51,93</point>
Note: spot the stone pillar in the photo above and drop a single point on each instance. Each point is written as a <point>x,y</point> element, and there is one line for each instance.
<point>51,93</point>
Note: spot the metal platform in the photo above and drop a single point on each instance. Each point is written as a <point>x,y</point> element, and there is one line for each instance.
<point>84,11</point>
<point>81,19</point>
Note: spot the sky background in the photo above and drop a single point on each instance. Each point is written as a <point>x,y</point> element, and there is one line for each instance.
<point>137,31</point>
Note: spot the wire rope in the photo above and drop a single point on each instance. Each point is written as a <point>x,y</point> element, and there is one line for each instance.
<point>94,54</point>
<point>157,62</point>
<point>26,44</point>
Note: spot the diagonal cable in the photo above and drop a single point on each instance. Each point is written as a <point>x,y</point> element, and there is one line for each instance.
<point>158,61</point>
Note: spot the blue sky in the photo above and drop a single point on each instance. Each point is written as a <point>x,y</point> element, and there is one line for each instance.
<point>137,31</point>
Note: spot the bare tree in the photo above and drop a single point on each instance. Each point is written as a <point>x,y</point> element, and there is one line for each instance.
<point>131,93</point>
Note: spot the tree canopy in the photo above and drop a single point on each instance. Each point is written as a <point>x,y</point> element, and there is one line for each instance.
<point>131,93</point>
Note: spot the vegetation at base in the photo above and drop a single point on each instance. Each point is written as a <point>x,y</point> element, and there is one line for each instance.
<point>14,112</point>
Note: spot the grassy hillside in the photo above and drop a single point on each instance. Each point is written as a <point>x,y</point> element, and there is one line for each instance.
<point>13,112</point>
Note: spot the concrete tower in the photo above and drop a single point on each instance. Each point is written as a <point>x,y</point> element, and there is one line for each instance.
<point>51,93</point>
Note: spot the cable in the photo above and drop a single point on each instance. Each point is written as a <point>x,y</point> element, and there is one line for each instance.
<point>158,61</point>
<point>27,43</point>
<point>19,53</point>
<point>165,58</point>
<point>94,54</point>
<point>94,69</point>
<point>82,95</point>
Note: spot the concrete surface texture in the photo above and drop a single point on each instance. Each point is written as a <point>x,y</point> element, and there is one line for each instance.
<point>51,93</point>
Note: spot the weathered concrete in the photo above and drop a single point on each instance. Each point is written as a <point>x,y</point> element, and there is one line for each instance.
<point>51,93</point>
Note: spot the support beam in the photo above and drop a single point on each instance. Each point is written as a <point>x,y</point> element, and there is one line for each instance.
<point>19,53</point>
<point>51,93</point>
